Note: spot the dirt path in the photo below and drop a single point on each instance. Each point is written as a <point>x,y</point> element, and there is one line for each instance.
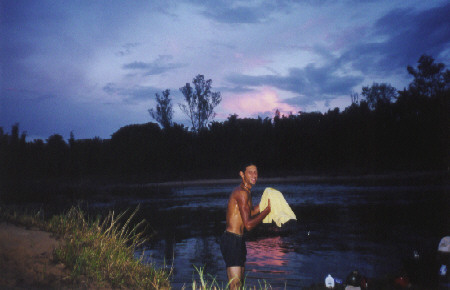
<point>26,260</point>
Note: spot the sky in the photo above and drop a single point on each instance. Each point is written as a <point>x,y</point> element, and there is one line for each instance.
<point>92,67</point>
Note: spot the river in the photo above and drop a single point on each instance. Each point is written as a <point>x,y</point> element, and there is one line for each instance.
<point>340,227</point>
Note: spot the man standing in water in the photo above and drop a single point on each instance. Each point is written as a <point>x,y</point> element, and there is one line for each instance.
<point>240,214</point>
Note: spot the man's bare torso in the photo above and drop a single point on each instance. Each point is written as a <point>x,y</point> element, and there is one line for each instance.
<point>235,223</point>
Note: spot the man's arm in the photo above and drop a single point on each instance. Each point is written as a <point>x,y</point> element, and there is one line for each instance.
<point>244,209</point>
<point>255,210</point>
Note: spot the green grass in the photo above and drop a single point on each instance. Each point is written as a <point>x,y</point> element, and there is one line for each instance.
<point>100,250</point>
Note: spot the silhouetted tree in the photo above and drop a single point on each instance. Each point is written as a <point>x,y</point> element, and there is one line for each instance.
<point>200,102</point>
<point>57,155</point>
<point>429,77</point>
<point>14,140</point>
<point>164,111</point>
<point>71,139</point>
<point>379,94</point>
<point>139,148</point>
<point>354,97</point>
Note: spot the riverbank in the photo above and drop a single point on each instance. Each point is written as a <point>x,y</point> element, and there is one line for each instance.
<point>27,259</point>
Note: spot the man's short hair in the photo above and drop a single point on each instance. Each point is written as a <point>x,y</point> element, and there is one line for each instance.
<point>245,165</point>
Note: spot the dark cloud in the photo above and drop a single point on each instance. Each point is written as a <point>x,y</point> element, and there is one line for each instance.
<point>235,15</point>
<point>138,65</point>
<point>134,94</point>
<point>161,65</point>
<point>232,13</point>
<point>127,48</point>
<point>406,34</point>
<point>236,89</point>
<point>16,26</point>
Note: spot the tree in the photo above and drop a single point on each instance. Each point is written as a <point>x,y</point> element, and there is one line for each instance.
<point>71,139</point>
<point>57,150</point>
<point>354,97</point>
<point>429,78</point>
<point>379,94</point>
<point>200,102</point>
<point>164,111</point>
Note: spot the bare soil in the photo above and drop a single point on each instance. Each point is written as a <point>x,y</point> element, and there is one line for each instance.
<point>26,259</point>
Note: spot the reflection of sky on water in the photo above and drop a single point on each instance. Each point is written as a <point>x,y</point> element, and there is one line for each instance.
<point>215,196</point>
<point>297,194</point>
<point>271,258</point>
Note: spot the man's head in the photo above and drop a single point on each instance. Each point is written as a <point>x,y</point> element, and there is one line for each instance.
<point>249,173</point>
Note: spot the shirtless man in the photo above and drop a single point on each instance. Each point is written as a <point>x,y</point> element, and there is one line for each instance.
<point>240,214</point>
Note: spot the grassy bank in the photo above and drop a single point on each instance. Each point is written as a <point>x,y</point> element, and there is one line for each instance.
<point>99,250</point>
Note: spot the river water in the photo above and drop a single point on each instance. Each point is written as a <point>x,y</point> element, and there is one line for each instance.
<point>339,228</point>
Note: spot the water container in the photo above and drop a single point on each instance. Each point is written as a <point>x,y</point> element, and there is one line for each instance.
<point>329,281</point>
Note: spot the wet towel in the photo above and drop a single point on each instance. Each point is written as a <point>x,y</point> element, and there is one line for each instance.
<point>280,211</point>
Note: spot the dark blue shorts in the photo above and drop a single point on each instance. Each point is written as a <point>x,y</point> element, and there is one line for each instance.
<point>233,249</point>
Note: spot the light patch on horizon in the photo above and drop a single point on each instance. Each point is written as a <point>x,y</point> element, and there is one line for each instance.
<point>258,102</point>
<point>329,104</point>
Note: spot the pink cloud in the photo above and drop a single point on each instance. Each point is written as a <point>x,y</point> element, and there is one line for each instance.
<point>256,103</point>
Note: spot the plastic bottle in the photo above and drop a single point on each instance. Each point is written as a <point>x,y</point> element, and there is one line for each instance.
<point>329,281</point>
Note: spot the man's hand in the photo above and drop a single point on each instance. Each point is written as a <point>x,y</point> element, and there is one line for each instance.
<point>268,205</point>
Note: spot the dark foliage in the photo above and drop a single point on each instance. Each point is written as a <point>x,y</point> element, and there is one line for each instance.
<point>164,112</point>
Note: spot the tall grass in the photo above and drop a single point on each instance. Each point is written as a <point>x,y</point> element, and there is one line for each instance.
<point>103,250</point>
<point>100,251</point>
<point>209,282</point>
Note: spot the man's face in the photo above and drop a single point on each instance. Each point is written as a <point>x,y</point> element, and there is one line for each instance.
<point>250,175</point>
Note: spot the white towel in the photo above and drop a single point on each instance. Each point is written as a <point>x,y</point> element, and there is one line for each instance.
<point>280,211</point>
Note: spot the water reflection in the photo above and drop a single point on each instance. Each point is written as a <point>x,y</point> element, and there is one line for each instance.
<point>267,252</point>
<point>274,259</point>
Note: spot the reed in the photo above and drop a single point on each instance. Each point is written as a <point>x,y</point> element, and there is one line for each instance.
<point>209,282</point>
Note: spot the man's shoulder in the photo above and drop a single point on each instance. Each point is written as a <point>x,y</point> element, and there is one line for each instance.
<point>238,192</point>
<point>237,189</point>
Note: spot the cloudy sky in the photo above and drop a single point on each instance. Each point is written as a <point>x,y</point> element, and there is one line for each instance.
<point>92,67</point>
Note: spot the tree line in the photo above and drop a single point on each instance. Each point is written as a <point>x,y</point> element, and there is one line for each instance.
<point>382,130</point>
